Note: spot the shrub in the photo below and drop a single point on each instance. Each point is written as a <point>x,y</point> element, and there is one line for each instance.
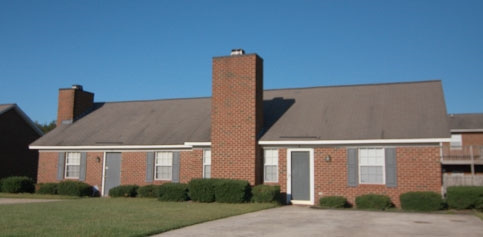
<point>175,192</point>
<point>47,188</point>
<point>148,191</point>
<point>421,201</point>
<point>373,201</point>
<point>74,188</point>
<point>18,184</point>
<point>266,193</point>
<point>124,191</point>
<point>479,204</point>
<point>232,191</point>
<point>463,197</point>
<point>202,190</point>
<point>333,202</point>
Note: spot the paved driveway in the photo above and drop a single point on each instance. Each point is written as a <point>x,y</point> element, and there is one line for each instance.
<point>305,221</point>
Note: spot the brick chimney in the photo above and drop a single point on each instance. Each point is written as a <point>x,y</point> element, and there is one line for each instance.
<point>237,117</point>
<point>73,102</point>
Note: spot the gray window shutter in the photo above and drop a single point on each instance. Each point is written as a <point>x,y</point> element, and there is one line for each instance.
<point>150,167</point>
<point>391,167</point>
<point>175,178</point>
<point>60,166</point>
<point>352,167</point>
<point>83,166</point>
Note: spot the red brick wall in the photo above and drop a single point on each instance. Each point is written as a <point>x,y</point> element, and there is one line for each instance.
<point>191,165</point>
<point>418,169</point>
<point>94,169</point>
<point>72,103</point>
<point>133,167</point>
<point>472,139</point>
<point>47,171</point>
<point>236,117</point>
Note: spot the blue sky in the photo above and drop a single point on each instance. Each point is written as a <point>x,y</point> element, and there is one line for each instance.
<point>143,50</point>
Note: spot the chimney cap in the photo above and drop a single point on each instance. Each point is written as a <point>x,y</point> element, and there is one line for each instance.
<point>237,52</point>
<point>77,87</point>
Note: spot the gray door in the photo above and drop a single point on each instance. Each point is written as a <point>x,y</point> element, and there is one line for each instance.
<point>300,175</point>
<point>112,176</point>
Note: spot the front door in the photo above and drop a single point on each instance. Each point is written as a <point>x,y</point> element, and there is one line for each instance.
<point>300,169</point>
<point>112,174</point>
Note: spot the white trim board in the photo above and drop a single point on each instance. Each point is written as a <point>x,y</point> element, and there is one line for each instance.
<point>347,142</point>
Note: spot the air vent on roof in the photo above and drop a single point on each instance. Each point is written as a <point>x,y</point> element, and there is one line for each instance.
<point>237,52</point>
<point>77,87</point>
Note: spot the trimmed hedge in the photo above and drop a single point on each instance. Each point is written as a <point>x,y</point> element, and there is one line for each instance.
<point>149,191</point>
<point>266,193</point>
<point>463,197</point>
<point>18,184</point>
<point>479,204</point>
<point>74,188</point>
<point>202,190</point>
<point>373,201</point>
<point>124,191</point>
<point>421,201</point>
<point>333,202</point>
<point>232,191</point>
<point>47,188</point>
<point>174,192</point>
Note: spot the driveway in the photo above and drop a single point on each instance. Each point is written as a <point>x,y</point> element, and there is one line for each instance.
<point>305,221</point>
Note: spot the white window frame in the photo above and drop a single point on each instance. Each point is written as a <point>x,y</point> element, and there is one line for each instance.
<point>163,159</point>
<point>270,159</point>
<point>72,159</point>
<point>381,163</point>
<point>456,142</point>
<point>206,163</point>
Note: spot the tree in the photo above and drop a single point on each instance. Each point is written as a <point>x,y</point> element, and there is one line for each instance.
<point>46,127</point>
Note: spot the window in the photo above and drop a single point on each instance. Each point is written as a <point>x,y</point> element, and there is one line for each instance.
<point>371,166</point>
<point>163,166</point>
<point>270,165</point>
<point>206,164</point>
<point>456,142</point>
<point>72,165</point>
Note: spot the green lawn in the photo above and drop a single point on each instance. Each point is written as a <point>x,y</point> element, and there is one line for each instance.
<point>111,216</point>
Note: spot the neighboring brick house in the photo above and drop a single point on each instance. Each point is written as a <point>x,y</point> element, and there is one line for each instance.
<point>313,142</point>
<point>17,131</point>
<point>462,159</point>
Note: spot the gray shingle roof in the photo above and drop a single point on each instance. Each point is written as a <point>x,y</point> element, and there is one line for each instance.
<point>378,111</point>
<point>465,121</point>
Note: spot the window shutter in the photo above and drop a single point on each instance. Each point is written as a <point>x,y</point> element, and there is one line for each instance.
<point>149,167</point>
<point>83,164</point>
<point>175,178</point>
<point>391,167</point>
<point>60,166</point>
<point>352,167</point>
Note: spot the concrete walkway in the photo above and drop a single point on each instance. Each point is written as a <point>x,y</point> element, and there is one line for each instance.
<point>24,200</point>
<point>305,221</point>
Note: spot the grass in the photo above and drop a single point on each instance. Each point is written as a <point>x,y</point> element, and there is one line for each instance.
<point>478,214</point>
<point>112,216</point>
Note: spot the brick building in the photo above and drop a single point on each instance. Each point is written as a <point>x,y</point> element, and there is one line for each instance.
<point>313,142</point>
<point>17,131</point>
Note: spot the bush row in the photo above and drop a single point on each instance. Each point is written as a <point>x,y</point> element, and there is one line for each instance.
<point>465,197</point>
<point>17,184</point>
<point>412,201</point>
<point>202,190</point>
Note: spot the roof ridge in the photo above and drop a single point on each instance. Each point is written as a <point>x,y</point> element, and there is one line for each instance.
<point>357,85</point>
